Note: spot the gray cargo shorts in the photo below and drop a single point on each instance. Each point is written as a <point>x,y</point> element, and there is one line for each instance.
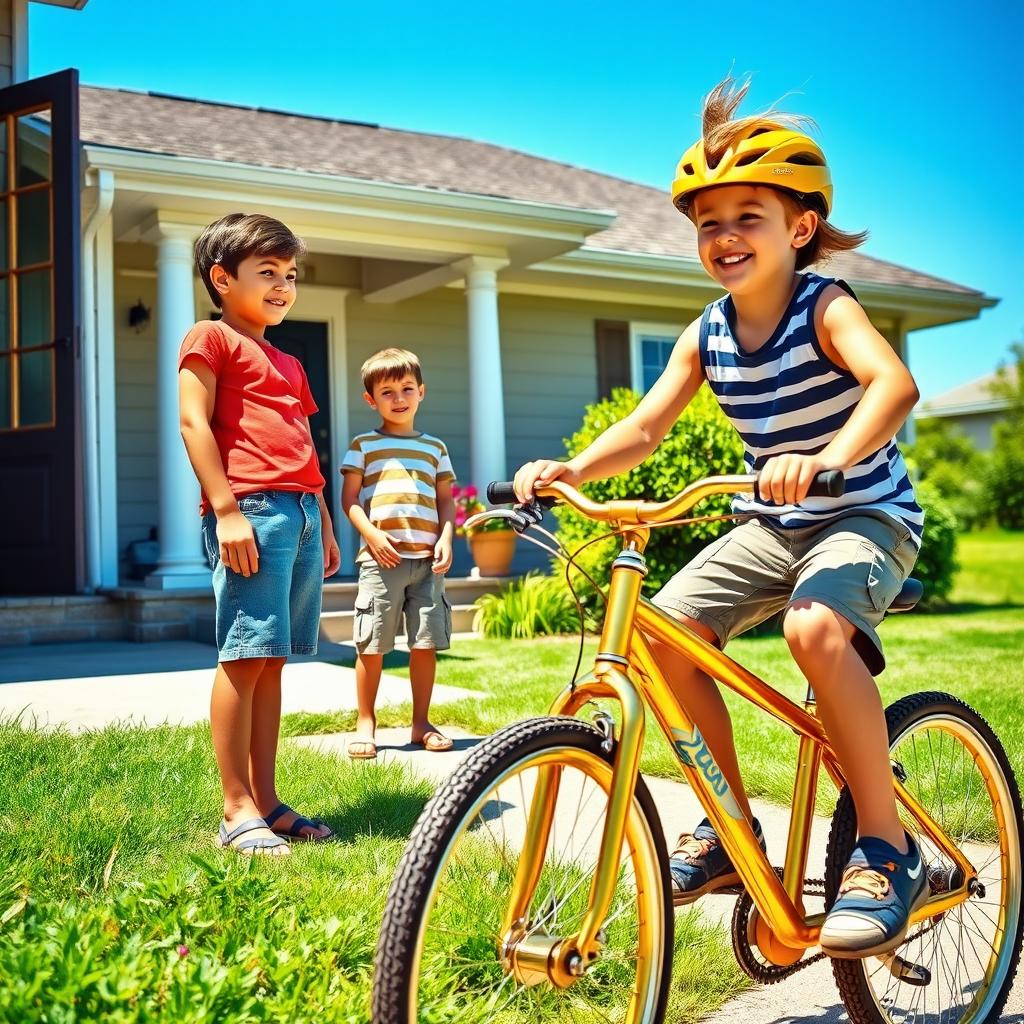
<point>411,590</point>
<point>854,564</point>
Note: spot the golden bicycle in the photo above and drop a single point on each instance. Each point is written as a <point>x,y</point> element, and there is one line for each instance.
<point>535,884</point>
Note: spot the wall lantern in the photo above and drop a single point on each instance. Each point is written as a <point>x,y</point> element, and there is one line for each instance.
<point>138,316</point>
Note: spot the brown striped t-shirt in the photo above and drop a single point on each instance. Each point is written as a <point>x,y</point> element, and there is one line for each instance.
<point>399,488</point>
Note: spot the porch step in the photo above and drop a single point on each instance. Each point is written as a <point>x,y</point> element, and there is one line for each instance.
<point>337,626</point>
<point>460,590</point>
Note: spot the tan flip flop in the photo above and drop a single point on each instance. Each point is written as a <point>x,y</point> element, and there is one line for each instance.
<point>368,753</point>
<point>435,742</point>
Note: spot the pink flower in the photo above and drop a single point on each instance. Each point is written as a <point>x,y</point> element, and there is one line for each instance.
<point>183,951</point>
<point>456,491</point>
<point>460,516</point>
<point>471,491</point>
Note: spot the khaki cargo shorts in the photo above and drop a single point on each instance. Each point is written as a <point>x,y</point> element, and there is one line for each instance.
<point>411,590</point>
<point>854,564</point>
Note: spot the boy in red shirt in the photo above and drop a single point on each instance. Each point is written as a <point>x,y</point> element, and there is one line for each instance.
<point>245,408</point>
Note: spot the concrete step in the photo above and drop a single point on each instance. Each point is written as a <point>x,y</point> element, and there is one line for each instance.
<point>337,626</point>
<point>341,597</point>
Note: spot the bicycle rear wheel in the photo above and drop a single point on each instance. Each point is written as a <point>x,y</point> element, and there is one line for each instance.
<point>951,762</point>
<point>438,954</point>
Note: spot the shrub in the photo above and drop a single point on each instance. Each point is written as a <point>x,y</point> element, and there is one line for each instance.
<point>532,606</point>
<point>1004,492</point>
<point>701,443</point>
<point>936,564</point>
<point>944,456</point>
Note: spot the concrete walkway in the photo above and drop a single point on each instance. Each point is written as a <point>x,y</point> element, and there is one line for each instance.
<point>90,685</point>
<point>809,997</point>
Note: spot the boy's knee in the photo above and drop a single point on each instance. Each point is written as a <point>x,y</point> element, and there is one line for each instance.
<point>815,630</point>
<point>244,671</point>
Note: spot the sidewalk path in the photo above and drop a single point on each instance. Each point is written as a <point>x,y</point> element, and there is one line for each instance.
<point>808,997</point>
<point>90,685</point>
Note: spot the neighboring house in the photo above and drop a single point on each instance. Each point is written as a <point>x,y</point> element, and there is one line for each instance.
<point>528,287</point>
<point>971,407</point>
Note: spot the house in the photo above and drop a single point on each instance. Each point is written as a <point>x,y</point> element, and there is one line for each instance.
<point>971,407</point>
<point>528,287</point>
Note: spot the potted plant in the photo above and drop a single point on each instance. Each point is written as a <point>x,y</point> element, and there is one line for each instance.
<point>492,544</point>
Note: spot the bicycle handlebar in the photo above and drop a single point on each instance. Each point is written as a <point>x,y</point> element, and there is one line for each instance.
<point>831,484</point>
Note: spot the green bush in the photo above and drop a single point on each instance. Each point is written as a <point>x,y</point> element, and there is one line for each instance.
<point>1004,493</point>
<point>936,564</point>
<point>701,443</point>
<point>532,606</point>
<point>944,457</point>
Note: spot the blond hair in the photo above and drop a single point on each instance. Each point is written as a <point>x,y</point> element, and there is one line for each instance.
<point>390,364</point>
<point>721,131</point>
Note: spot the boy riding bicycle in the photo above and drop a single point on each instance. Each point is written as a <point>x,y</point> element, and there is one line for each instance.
<point>810,385</point>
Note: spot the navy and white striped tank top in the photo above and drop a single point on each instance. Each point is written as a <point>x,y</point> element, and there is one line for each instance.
<point>788,397</point>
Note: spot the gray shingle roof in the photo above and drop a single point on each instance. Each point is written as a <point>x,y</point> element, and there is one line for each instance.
<point>646,221</point>
<point>975,392</point>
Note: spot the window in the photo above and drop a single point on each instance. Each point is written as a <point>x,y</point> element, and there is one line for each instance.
<point>650,345</point>
<point>26,272</point>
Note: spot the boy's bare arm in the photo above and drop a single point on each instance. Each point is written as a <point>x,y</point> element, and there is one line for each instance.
<point>626,444</point>
<point>850,340</point>
<point>446,518</point>
<point>197,390</point>
<point>889,389</point>
<point>379,544</point>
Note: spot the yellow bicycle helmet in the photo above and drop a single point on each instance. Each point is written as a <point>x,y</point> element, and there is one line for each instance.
<point>767,155</point>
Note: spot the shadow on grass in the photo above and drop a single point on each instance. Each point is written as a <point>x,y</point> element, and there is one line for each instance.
<point>384,816</point>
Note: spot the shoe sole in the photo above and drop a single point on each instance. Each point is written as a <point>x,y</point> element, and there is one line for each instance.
<point>722,884</point>
<point>883,947</point>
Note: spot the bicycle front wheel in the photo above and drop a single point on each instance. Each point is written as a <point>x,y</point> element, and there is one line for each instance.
<point>439,954</point>
<point>952,763</point>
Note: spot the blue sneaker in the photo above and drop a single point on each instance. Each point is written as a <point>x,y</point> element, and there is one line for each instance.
<point>699,864</point>
<point>880,889</point>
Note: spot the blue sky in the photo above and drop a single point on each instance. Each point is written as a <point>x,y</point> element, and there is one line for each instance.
<point>918,104</point>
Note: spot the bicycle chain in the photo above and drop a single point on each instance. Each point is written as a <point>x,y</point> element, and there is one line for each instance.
<point>769,973</point>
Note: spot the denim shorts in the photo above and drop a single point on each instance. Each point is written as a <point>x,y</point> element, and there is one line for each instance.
<point>274,612</point>
<point>411,591</point>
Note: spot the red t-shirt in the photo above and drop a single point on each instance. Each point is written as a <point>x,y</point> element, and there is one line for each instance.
<point>259,414</point>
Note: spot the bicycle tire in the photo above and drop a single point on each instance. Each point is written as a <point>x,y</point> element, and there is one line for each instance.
<point>910,719</point>
<point>446,818</point>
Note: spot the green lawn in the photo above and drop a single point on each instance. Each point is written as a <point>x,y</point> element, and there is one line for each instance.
<point>115,905</point>
<point>973,651</point>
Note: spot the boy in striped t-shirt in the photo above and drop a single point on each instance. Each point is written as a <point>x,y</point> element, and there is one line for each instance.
<point>810,386</point>
<point>397,491</point>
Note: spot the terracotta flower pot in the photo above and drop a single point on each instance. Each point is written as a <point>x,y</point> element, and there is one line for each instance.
<point>493,551</point>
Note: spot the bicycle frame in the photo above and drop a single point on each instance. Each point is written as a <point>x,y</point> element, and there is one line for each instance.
<point>626,670</point>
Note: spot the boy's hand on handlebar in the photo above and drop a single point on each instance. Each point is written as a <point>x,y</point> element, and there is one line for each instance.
<point>541,473</point>
<point>786,479</point>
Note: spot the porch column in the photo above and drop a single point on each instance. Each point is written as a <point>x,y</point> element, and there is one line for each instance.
<point>907,434</point>
<point>486,396</point>
<point>181,563</point>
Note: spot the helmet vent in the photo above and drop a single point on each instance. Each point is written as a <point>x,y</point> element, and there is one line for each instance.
<point>749,158</point>
<point>758,131</point>
<point>805,159</point>
<point>688,169</point>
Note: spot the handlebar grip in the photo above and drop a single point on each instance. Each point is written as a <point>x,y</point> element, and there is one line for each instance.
<point>501,492</point>
<point>830,484</point>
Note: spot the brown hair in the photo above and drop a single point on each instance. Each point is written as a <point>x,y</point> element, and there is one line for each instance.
<point>720,131</point>
<point>390,364</point>
<point>236,237</point>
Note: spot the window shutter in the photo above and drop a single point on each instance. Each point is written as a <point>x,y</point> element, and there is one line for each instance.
<point>612,340</point>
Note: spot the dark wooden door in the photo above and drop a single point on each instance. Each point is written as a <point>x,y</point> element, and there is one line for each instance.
<point>40,493</point>
<point>307,341</point>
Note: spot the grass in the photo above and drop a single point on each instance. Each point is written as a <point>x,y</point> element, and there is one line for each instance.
<point>115,906</point>
<point>972,650</point>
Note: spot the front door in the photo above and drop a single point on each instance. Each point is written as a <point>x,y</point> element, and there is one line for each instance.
<point>40,507</point>
<point>307,341</point>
